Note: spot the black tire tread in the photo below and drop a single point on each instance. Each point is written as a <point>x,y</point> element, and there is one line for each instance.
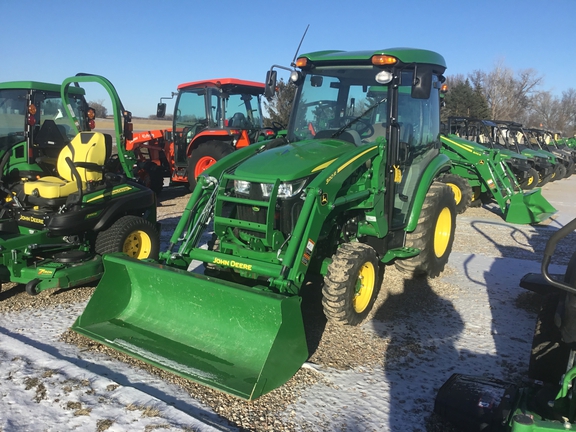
<point>438,197</point>
<point>112,239</point>
<point>342,272</point>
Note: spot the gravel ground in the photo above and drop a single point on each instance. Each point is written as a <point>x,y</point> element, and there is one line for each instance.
<point>331,346</point>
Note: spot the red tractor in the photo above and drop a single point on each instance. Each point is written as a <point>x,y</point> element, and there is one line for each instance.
<point>212,118</point>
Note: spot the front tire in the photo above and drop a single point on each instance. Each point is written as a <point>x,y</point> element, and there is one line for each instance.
<point>461,189</point>
<point>351,284</point>
<point>434,234</point>
<point>132,235</point>
<point>531,180</point>
<point>204,156</point>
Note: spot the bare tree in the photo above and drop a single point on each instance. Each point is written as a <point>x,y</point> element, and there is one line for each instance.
<point>280,105</point>
<point>509,95</point>
<point>99,108</point>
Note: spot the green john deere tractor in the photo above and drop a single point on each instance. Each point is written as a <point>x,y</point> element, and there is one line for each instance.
<point>351,187</point>
<point>479,173</point>
<point>547,400</point>
<point>486,133</point>
<point>61,215</point>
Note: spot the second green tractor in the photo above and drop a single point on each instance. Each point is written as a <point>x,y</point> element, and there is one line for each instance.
<point>351,187</point>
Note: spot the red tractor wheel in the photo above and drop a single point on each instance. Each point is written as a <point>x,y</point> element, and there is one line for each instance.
<point>206,155</point>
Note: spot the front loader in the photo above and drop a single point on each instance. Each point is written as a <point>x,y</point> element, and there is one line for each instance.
<point>487,134</point>
<point>478,171</point>
<point>351,187</point>
<point>546,400</point>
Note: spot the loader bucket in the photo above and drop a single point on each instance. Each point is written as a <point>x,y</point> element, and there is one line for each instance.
<point>240,340</point>
<point>528,207</point>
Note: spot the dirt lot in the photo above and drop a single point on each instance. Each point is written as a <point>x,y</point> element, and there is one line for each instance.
<point>382,375</point>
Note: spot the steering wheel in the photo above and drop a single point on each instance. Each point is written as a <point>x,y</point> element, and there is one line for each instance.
<point>363,127</point>
<point>278,125</point>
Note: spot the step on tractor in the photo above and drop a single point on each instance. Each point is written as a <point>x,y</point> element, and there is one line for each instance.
<point>351,187</point>
<point>480,174</point>
<point>546,399</point>
<point>516,138</point>
<point>486,133</point>
<point>57,222</point>
<point>212,118</point>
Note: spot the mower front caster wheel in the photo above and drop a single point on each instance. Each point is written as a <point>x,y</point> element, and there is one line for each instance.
<point>31,287</point>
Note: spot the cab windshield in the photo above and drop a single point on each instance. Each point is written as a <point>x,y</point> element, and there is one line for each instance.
<point>49,107</point>
<point>352,100</point>
<point>13,105</point>
<point>350,104</point>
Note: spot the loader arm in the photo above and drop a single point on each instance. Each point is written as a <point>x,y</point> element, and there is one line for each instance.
<point>485,168</point>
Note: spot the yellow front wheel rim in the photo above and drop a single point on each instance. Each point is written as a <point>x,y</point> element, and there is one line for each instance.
<point>364,287</point>
<point>138,245</point>
<point>442,232</point>
<point>457,192</point>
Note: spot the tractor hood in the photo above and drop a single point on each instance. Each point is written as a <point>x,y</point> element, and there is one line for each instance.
<point>292,161</point>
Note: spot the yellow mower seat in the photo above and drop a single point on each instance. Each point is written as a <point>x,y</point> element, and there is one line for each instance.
<point>85,148</point>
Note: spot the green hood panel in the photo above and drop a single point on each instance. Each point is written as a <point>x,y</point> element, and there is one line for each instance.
<point>292,161</point>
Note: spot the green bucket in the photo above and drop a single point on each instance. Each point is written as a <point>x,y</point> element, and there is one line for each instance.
<point>240,340</point>
<point>528,208</point>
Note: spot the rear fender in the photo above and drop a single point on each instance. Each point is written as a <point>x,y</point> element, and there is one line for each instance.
<point>438,165</point>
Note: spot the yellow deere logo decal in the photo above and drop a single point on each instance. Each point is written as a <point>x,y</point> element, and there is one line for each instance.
<point>45,272</point>
<point>232,263</point>
<point>324,199</point>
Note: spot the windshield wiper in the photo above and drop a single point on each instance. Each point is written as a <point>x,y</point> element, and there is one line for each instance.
<point>355,119</point>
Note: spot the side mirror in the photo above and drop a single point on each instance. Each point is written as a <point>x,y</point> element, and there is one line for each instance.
<point>128,126</point>
<point>161,110</point>
<point>422,84</point>
<point>270,89</point>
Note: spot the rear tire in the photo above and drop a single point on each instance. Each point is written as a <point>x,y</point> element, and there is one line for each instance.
<point>434,234</point>
<point>206,155</point>
<point>132,235</point>
<point>352,284</point>
<point>461,189</point>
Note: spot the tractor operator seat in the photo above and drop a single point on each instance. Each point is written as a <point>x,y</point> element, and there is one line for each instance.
<point>87,152</point>
<point>238,120</point>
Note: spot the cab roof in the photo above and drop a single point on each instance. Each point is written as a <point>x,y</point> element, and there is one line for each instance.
<point>405,55</point>
<point>37,85</point>
<point>249,86</point>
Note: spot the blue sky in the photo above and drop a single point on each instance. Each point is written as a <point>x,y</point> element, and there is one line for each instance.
<point>146,48</point>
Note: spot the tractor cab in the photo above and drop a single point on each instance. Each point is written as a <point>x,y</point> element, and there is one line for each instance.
<point>34,127</point>
<point>224,112</point>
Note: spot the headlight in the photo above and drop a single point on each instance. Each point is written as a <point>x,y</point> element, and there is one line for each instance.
<point>285,190</point>
<point>242,186</point>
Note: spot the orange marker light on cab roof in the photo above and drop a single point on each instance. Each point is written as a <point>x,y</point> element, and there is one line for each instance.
<point>32,109</point>
<point>383,60</point>
<point>302,62</point>
<point>444,88</point>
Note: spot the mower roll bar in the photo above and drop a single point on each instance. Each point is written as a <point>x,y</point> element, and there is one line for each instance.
<point>549,251</point>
